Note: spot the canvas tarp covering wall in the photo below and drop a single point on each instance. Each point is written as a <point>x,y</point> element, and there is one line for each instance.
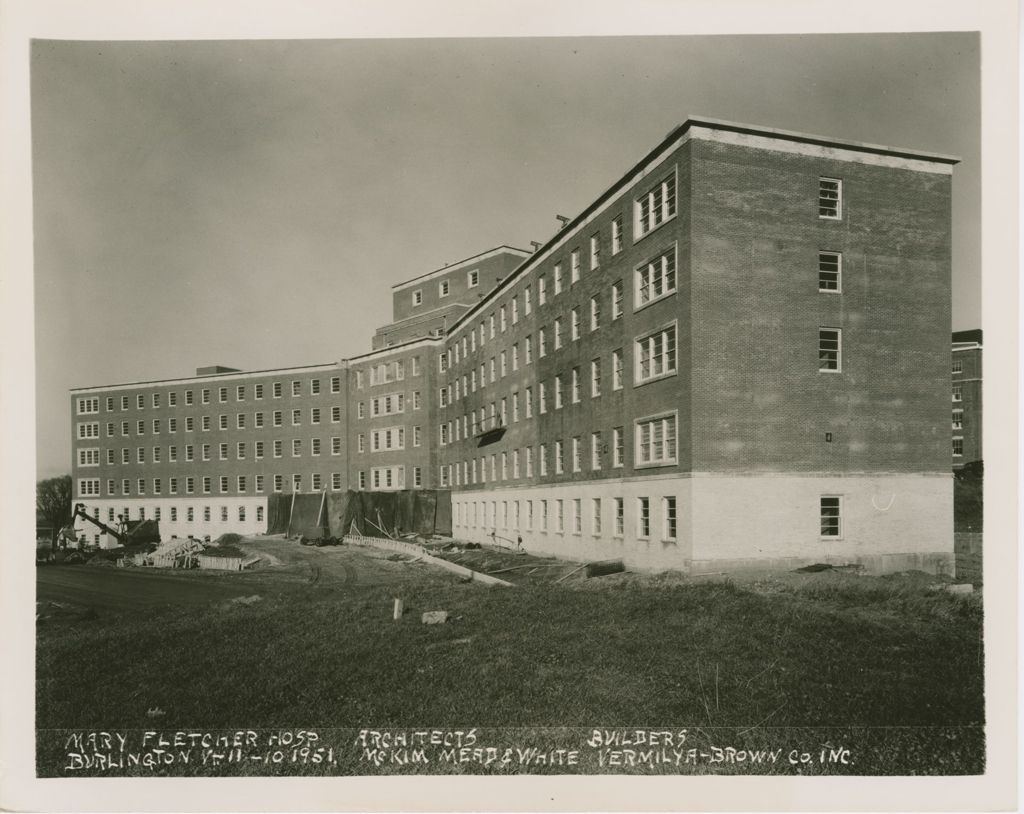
<point>316,515</point>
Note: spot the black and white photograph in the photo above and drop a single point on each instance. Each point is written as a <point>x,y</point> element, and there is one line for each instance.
<point>599,405</point>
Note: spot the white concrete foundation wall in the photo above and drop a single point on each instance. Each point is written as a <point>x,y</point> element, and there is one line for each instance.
<point>255,516</point>
<point>889,522</point>
<point>476,514</point>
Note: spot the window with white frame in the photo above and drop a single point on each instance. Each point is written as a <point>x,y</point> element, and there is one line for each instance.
<point>958,392</point>
<point>392,404</point>
<point>668,514</point>
<point>87,406</point>
<point>617,234</point>
<point>616,299</point>
<point>574,266</point>
<point>655,206</point>
<point>336,445</point>
<point>336,384</point>
<point>542,291</point>
<point>958,419</point>
<point>89,457</point>
<point>829,349</point>
<point>595,450</point>
<point>656,278</point>
<point>595,312</point>
<point>296,483</point>
<point>388,477</point>
<point>387,438</point>
<point>575,323</point>
<point>473,278</point>
<point>617,369</point>
<point>577,454</point>
<point>444,288</point>
<point>656,355</point>
<point>556,330</point>
<point>643,517</point>
<point>656,440</point>
<point>958,447</point>
<point>558,279</point>
<point>830,198</point>
<point>830,269</point>
<point>831,516</point>
<point>88,487</point>
<point>417,297</point>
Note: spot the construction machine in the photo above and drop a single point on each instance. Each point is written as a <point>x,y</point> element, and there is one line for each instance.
<point>125,533</point>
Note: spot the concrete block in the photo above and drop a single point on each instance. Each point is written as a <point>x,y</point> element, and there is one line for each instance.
<point>435,617</point>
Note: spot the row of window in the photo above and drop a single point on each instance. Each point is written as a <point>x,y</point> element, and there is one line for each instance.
<point>206,422</point>
<point>519,515</point>
<point>655,444</point>
<point>90,456</point>
<point>89,404</point>
<point>173,514</point>
<point>392,477</point>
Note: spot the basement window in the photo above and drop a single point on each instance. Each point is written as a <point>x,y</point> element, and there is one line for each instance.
<point>831,507</point>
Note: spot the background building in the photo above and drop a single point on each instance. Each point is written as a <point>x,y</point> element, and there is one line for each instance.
<point>966,375</point>
<point>736,354</point>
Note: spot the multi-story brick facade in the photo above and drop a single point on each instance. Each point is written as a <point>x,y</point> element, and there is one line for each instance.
<point>966,376</point>
<point>737,353</point>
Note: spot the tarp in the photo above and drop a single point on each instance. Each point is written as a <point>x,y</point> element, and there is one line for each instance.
<point>412,510</point>
<point>143,531</point>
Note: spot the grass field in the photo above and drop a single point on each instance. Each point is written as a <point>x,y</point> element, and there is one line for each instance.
<point>884,667</point>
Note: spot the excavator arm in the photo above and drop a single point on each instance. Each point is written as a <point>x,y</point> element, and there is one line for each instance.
<point>80,512</point>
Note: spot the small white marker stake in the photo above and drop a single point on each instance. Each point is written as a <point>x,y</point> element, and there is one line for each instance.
<point>399,608</point>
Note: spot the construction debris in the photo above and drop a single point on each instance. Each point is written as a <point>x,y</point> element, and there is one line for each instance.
<point>435,617</point>
<point>604,567</point>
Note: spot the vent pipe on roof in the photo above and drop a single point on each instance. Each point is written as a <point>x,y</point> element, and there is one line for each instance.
<point>536,246</point>
<point>563,219</point>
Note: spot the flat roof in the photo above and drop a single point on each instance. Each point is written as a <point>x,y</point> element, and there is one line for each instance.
<point>677,134</point>
<point>208,377</point>
<point>476,258</point>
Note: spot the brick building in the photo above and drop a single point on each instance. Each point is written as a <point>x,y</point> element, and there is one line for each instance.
<point>966,376</point>
<point>736,354</point>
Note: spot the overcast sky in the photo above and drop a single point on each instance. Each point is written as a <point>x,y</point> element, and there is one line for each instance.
<point>250,203</point>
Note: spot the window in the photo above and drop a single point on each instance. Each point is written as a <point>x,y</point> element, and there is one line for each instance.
<point>668,511</point>
<point>958,419</point>
<point>277,390</point>
<point>296,418</point>
<point>577,454</point>
<point>503,318</point>
<point>316,481</point>
<point>617,235</point>
<point>190,486</point>
<point>141,455</point>
<point>643,517</point>
<point>240,450</point>
<point>124,428</point>
<point>595,378</point>
<point>443,288</point>
<point>142,486</point>
<point>417,298</point>
<point>240,421</point>
<point>91,405</point>
<point>259,450</point>
<point>258,391</point>
<point>206,423</point>
<point>88,429</point>
<point>830,198</point>
<point>830,268</point>
<point>595,515</point>
<point>656,355</point>
<point>958,447</point>
<point>314,387</point>
<point>617,369</point>
<point>278,483</point>
<point>574,266</point>
<point>336,445</point>
<point>172,425</point>
<point>172,453</point>
<point>296,388</point>
<point>616,300</point>
<point>958,392</point>
<point>296,447</point>
<point>595,251</point>
<point>559,515</point>
<point>575,324</point>
<point>296,483</point>
<point>656,278</point>
<point>473,278</point>
<point>88,487</point>
<point>222,394</point>
<point>278,448</point>
<point>223,450</point>
<point>124,400</point>
<point>618,447</point>
<point>223,483</point>
<point>125,455</point>
<point>829,349</point>
<point>620,520</point>
<point>240,393</point>
<point>558,392</point>
<point>557,331</point>
<point>542,453</point>
<point>575,385</point>
<point>595,450</point>
<point>558,279</point>
<point>577,516</point>
<point>595,313</point>
<point>542,289</point>
<point>527,302</point>
<point>335,481</point>
<point>656,441</point>
<point>140,428</point>
<point>529,402</point>
<point>542,343</point>
<point>831,516</point>
<point>314,415</point>
<point>189,452</point>
<point>417,436</point>
<point>559,458</point>
<point>189,423</point>
<point>336,384</point>
<point>140,401</point>
<point>278,418</point>
<point>655,206</point>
